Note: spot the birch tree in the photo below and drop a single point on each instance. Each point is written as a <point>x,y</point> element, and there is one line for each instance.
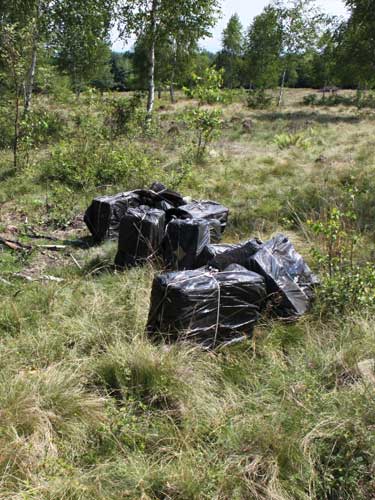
<point>186,21</point>
<point>301,23</point>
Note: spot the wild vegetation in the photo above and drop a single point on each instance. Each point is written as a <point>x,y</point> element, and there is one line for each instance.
<point>90,409</point>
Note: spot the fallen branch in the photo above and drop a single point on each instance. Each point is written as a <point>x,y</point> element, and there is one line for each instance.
<point>38,236</point>
<point>44,277</point>
<point>14,245</point>
<point>54,248</point>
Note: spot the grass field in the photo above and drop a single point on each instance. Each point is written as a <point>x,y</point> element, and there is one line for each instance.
<point>91,410</point>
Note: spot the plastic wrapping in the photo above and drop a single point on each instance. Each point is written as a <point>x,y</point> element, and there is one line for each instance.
<point>184,242</point>
<point>238,254</point>
<point>141,234</point>
<point>104,214</point>
<point>172,197</point>
<point>207,307</point>
<point>290,282</point>
<point>216,214</point>
<point>284,252</point>
<point>213,250</point>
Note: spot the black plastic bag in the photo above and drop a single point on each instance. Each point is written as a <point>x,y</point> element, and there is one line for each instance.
<point>207,307</point>
<point>293,263</point>
<point>184,242</point>
<point>161,200</point>
<point>172,197</point>
<point>104,214</point>
<point>290,282</point>
<point>213,250</point>
<point>238,254</point>
<point>216,214</point>
<point>141,234</point>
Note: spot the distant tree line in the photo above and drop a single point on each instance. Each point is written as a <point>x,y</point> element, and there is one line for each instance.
<point>291,43</point>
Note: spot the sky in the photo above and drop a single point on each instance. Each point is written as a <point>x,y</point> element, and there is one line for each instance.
<point>247,10</point>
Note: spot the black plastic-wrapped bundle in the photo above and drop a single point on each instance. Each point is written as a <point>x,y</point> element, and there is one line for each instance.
<point>216,214</point>
<point>211,251</point>
<point>163,200</point>
<point>290,282</point>
<point>184,242</point>
<point>281,248</point>
<point>172,197</point>
<point>207,307</point>
<point>238,254</point>
<point>141,234</point>
<point>104,214</point>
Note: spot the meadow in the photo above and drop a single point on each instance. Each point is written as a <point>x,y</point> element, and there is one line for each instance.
<point>90,409</point>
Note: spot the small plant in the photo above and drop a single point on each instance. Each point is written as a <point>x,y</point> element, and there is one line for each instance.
<point>41,125</point>
<point>205,122</point>
<point>206,88</point>
<point>310,100</point>
<point>123,113</point>
<point>61,206</point>
<point>346,283</point>
<point>287,140</point>
<point>259,99</point>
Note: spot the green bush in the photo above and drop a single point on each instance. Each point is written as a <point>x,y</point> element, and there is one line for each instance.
<point>347,285</point>
<point>310,100</point>
<point>359,100</point>
<point>40,126</point>
<point>6,128</point>
<point>259,99</point>
<point>82,165</point>
<point>122,114</point>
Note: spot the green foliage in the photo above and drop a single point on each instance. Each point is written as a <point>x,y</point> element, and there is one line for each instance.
<point>61,205</point>
<point>6,128</point>
<point>206,88</point>
<point>287,140</point>
<point>263,49</point>
<point>360,100</point>
<point>204,122</point>
<point>124,114</point>
<point>346,284</point>
<point>259,99</point>
<point>40,126</point>
<point>310,100</point>
<point>83,165</point>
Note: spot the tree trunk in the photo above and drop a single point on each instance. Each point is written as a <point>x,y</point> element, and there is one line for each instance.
<point>171,92</point>
<point>151,80</point>
<point>281,93</point>
<point>173,74</point>
<point>29,87</point>
<point>16,129</point>
<point>151,72</point>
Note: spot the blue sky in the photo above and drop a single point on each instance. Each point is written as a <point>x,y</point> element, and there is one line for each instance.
<point>246,9</point>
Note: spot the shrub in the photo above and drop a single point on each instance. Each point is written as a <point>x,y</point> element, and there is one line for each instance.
<point>83,165</point>
<point>347,284</point>
<point>204,122</point>
<point>206,88</point>
<point>310,100</point>
<point>123,113</point>
<point>285,140</point>
<point>6,128</point>
<point>259,99</point>
<point>41,125</point>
